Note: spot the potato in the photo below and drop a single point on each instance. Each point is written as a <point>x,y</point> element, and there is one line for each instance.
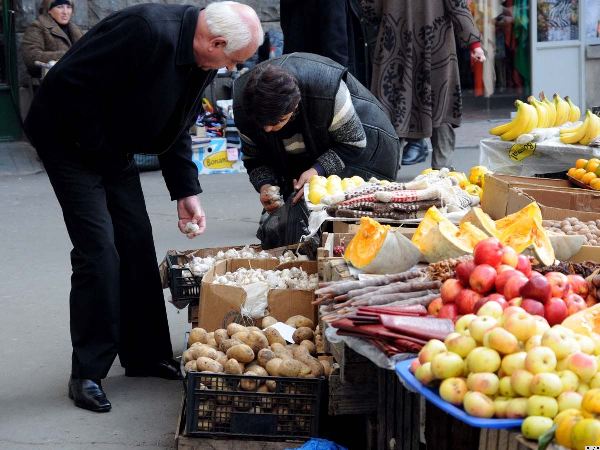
<point>211,335</point>
<point>303,334</point>
<point>220,336</point>
<point>273,336</point>
<point>256,340</point>
<point>205,364</point>
<point>232,367</point>
<point>241,353</point>
<point>290,368</point>
<point>273,366</point>
<point>326,366</point>
<point>205,350</point>
<point>197,335</point>
<point>222,414</point>
<point>268,321</point>
<point>310,346</point>
<point>228,343</point>
<point>300,321</point>
<point>248,384</point>
<point>190,366</point>
<point>264,356</point>
<point>211,342</point>
<point>271,385</point>
<point>233,328</point>
<point>187,356</point>
<point>316,369</point>
<point>281,351</point>
<point>221,358</point>
<point>253,328</point>
<point>257,370</point>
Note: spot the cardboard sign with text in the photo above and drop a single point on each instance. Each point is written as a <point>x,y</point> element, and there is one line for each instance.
<point>220,304</point>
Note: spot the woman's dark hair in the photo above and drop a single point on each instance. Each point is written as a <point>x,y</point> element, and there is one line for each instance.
<point>271,93</point>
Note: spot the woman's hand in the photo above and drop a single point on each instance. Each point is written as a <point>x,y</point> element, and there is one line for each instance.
<point>299,184</point>
<point>478,55</point>
<point>189,210</point>
<point>269,202</point>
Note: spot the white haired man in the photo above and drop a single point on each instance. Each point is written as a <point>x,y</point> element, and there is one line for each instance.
<point>132,84</point>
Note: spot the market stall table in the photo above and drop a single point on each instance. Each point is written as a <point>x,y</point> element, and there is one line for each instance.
<point>534,158</point>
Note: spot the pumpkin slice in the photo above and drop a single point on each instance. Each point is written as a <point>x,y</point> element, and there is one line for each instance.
<point>542,246</point>
<point>481,220</point>
<point>377,249</point>
<point>530,211</point>
<point>527,233</point>
<point>470,234</point>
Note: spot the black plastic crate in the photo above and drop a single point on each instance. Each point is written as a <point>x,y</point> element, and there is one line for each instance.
<point>184,286</point>
<point>216,405</point>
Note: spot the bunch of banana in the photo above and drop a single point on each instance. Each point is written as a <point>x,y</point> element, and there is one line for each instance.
<point>575,112</point>
<point>584,133</point>
<point>563,111</point>
<point>542,111</point>
<point>525,121</point>
<point>550,108</point>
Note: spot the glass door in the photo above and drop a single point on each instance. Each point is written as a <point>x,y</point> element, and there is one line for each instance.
<point>557,56</point>
<point>490,89</point>
<point>10,125</point>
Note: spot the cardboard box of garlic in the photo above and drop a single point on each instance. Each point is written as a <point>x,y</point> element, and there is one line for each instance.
<point>289,290</point>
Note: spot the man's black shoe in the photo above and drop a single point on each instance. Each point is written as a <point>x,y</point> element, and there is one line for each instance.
<point>167,369</point>
<point>413,154</point>
<point>88,394</point>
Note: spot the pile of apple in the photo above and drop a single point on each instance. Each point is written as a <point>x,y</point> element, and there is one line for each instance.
<point>511,365</point>
<point>498,277</point>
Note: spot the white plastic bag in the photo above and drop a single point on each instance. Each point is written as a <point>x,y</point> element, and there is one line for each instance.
<point>256,300</point>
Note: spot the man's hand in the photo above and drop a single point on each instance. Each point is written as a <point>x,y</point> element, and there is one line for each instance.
<point>268,201</point>
<point>189,210</point>
<point>299,184</point>
<point>478,55</point>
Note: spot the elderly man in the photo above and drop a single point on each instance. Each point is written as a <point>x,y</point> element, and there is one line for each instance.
<point>133,83</point>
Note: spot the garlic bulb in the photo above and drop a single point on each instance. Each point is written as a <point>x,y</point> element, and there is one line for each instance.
<point>294,278</point>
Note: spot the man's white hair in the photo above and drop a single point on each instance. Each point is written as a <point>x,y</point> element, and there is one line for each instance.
<point>225,20</point>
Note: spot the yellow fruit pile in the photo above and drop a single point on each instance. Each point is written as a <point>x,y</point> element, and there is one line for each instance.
<point>473,184</point>
<point>318,187</point>
<point>577,428</point>
<point>582,134</point>
<point>542,113</point>
<point>587,171</point>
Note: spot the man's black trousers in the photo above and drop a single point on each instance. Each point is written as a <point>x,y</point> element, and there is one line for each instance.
<point>116,302</point>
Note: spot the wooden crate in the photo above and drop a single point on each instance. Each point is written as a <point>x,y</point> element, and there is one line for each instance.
<point>351,398</point>
<point>399,415</point>
<point>443,432</point>
<point>499,440</point>
<point>183,442</point>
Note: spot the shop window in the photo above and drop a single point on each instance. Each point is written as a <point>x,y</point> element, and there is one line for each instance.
<point>591,21</point>
<point>557,20</point>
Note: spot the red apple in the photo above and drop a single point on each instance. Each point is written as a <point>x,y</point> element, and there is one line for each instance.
<point>450,290</point>
<point>509,256</point>
<point>490,298</point>
<point>575,303</point>
<point>463,271</point>
<point>533,307</point>
<point>578,285</point>
<point>503,277</point>
<point>555,311</point>
<point>434,306</point>
<point>524,265</point>
<point>448,311</point>
<point>513,286</point>
<point>503,267</point>
<point>537,288</point>
<point>489,251</point>
<point>466,301</point>
<point>517,301</point>
<point>482,279</point>
<point>559,283</point>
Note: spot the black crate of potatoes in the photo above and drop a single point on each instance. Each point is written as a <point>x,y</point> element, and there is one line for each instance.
<point>252,406</point>
<point>184,286</point>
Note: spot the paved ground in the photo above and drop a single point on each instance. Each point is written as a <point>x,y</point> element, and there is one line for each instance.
<point>34,409</point>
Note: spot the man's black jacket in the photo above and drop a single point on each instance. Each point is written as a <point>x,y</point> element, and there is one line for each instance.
<point>130,85</point>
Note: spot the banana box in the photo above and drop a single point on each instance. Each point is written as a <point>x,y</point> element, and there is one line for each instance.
<point>213,156</point>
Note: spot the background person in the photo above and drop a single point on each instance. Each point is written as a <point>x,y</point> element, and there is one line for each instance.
<point>133,83</point>
<point>49,36</point>
<point>415,67</point>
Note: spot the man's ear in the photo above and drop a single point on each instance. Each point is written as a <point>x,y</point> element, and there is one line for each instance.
<point>218,42</point>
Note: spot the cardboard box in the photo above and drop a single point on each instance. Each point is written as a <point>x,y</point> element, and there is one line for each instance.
<point>495,195</point>
<point>220,305</point>
<point>558,205</point>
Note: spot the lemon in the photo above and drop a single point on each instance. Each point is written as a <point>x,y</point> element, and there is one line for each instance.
<point>315,194</point>
<point>358,180</point>
<point>347,184</point>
